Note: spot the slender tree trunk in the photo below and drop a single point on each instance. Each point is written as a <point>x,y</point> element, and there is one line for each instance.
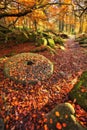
<point>81,26</point>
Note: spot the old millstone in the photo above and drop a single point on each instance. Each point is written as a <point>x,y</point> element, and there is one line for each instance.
<point>28,68</point>
<point>79,92</point>
<point>62,117</point>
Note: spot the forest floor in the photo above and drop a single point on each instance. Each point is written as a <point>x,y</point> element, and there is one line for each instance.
<point>24,106</point>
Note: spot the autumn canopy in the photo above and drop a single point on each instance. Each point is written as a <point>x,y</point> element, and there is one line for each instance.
<point>38,14</point>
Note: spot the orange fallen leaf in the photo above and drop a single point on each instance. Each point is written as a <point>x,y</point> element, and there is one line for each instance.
<point>64,124</point>
<point>34,115</point>
<point>51,121</point>
<point>15,103</point>
<point>66,116</point>
<point>83,90</point>
<point>45,127</point>
<point>17,118</point>
<point>58,126</point>
<point>6,119</point>
<point>45,120</point>
<point>7,126</point>
<point>57,113</point>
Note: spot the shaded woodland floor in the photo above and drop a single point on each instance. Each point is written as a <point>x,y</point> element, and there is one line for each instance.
<point>24,106</point>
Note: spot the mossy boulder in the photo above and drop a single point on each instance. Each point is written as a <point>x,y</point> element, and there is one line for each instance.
<point>79,92</point>
<point>28,68</point>
<point>51,42</point>
<point>82,39</point>
<point>62,117</point>
<point>48,39</point>
<point>59,40</point>
<point>83,43</point>
<point>31,37</point>
<point>41,41</point>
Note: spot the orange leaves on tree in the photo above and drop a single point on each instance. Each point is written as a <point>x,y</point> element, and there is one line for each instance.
<point>28,3</point>
<point>38,14</point>
<point>68,1</point>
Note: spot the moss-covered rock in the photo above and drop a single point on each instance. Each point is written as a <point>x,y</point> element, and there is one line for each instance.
<point>82,39</point>
<point>28,68</point>
<point>83,43</point>
<point>79,92</point>
<point>46,38</point>
<point>62,117</point>
<point>41,41</point>
<point>51,42</point>
<point>59,40</point>
<point>32,37</point>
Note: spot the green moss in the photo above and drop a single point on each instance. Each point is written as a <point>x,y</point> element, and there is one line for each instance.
<point>82,39</point>
<point>51,42</point>
<point>58,40</point>
<point>83,78</point>
<point>32,37</point>
<point>79,92</point>
<point>41,41</point>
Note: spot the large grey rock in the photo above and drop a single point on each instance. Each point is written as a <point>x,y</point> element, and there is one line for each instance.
<point>28,68</point>
<point>62,117</point>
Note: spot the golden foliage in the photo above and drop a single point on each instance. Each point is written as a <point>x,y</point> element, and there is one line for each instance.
<point>28,3</point>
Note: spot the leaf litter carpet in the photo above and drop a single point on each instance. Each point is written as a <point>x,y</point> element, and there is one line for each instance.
<point>23,106</point>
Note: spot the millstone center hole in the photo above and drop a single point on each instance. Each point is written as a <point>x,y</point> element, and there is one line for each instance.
<point>30,62</point>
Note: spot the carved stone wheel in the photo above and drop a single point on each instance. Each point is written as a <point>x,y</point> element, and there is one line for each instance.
<point>28,68</point>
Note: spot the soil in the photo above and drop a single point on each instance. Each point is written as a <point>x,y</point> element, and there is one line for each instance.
<point>24,106</point>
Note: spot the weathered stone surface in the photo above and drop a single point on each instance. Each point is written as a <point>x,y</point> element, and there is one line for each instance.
<point>28,68</point>
<point>79,92</point>
<point>63,117</point>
